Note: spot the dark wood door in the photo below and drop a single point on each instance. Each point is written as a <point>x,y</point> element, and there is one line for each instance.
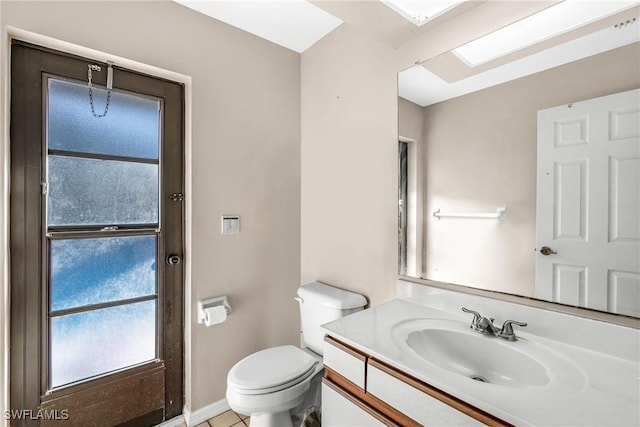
<point>96,243</point>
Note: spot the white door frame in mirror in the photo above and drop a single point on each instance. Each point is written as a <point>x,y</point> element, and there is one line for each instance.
<point>414,207</point>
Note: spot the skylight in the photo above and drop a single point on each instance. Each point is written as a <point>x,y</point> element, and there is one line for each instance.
<point>421,11</point>
<point>294,24</point>
<point>551,22</point>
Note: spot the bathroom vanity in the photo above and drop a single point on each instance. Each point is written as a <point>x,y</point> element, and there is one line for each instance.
<point>415,361</point>
<point>384,395</point>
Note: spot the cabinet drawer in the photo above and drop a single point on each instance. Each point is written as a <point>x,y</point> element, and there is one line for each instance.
<point>339,409</point>
<point>345,361</point>
<point>411,401</point>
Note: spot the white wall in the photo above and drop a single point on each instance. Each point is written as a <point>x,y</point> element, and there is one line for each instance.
<point>245,160</point>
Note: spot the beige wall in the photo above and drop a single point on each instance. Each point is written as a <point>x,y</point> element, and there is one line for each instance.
<point>349,146</point>
<point>349,170</point>
<point>410,119</point>
<point>246,160</point>
<point>481,153</point>
<point>349,164</point>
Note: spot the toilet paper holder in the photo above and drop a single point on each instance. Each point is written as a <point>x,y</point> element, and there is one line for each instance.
<point>212,302</point>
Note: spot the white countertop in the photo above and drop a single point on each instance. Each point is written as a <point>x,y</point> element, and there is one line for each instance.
<point>606,394</point>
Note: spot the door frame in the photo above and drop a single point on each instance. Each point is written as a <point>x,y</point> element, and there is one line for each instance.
<point>6,36</point>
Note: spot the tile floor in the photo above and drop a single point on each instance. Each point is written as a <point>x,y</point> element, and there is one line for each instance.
<point>226,419</point>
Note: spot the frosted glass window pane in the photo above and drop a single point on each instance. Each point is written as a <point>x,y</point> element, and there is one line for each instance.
<point>130,128</point>
<point>87,344</point>
<point>88,192</point>
<point>91,271</point>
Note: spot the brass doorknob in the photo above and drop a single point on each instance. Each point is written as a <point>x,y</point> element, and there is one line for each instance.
<point>546,250</point>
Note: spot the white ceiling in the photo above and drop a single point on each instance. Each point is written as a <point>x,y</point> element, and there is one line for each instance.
<point>298,24</point>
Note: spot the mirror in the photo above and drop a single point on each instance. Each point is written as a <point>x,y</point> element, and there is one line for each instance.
<point>480,198</point>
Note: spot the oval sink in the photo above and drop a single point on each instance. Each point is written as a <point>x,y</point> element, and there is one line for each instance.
<point>452,346</point>
<point>478,357</point>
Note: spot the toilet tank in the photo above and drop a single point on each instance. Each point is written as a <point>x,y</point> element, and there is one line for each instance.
<point>320,304</point>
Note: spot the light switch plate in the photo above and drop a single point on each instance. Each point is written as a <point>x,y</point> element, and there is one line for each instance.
<point>230,224</point>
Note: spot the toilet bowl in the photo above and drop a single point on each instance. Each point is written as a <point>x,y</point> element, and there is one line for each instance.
<point>269,384</point>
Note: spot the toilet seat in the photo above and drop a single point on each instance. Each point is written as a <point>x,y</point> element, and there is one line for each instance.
<point>271,370</point>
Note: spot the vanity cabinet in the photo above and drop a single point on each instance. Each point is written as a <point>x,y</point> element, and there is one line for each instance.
<point>350,363</point>
<point>360,390</point>
<point>339,408</point>
<point>412,398</point>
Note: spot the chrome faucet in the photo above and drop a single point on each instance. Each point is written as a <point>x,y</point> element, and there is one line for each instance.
<point>482,324</point>
<point>486,327</point>
<point>507,330</point>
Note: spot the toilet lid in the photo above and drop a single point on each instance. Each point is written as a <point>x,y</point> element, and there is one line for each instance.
<point>273,367</point>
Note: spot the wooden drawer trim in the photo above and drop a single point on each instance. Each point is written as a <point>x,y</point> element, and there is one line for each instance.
<point>345,347</point>
<point>446,398</point>
<point>392,416</point>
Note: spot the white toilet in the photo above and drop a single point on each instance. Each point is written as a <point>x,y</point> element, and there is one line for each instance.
<point>269,383</point>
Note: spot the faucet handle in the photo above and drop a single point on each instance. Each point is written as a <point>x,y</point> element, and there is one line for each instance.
<point>507,330</point>
<point>476,316</point>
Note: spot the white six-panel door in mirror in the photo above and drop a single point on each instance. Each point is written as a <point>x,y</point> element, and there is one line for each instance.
<point>588,204</point>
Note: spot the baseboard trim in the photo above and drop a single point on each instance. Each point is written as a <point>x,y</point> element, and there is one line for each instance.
<point>173,422</point>
<point>206,412</point>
